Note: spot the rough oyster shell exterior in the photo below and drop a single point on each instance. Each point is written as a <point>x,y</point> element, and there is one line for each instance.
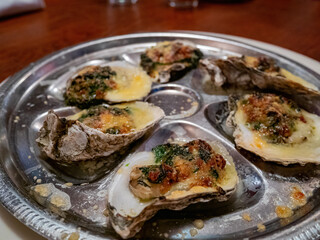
<point>128,227</point>
<point>234,73</point>
<point>69,140</point>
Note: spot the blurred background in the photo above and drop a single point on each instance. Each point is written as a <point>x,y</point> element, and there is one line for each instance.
<point>39,28</point>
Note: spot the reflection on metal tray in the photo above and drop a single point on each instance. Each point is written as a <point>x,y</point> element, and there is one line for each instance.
<point>192,113</point>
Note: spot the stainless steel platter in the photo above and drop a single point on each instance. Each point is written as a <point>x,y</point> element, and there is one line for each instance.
<point>192,113</point>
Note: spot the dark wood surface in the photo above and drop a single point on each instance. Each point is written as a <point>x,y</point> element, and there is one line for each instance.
<point>292,24</point>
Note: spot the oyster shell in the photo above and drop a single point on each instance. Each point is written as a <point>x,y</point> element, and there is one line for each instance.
<point>96,132</point>
<point>172,176</point>
<point>115,82</point>
<point>170,60</point>
<point>275,128</point>
<point>251,73</point>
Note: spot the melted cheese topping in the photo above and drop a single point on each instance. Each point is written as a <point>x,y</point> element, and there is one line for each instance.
<point>140,115</point>
<point>297,79</point>
<point>109,120</point>
<point>76,116</point>
<point>106,120</point>
<point>132,84</point>
<point>251,61</point>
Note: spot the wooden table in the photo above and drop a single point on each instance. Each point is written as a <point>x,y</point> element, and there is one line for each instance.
<point>292,24</point>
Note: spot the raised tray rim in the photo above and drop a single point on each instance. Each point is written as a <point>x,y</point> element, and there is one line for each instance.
<point>9,193</point>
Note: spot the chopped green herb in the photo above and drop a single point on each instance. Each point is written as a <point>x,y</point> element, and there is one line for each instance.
<point>204,154</point>
<point>159,152</point>
<point>154,173</point>
<point>214,173</point>
<point>166,152</point>
<point>128,110</point>
<point>257,126</point>
<point>89,88</point>
<point>147,64</point>
<point>117,111</point>
<point>83,116</point>
<point>274,117</point>
<point>244,101</point>
<point>145,170</point>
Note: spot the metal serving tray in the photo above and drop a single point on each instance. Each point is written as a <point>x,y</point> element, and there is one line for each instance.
<point>192,113</point>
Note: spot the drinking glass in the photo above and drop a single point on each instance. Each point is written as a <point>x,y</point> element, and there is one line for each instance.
<point>183,3</point>
<point>122,2</point>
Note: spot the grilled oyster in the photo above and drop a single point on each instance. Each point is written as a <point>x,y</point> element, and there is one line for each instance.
<point>275,128</point>
<point>116,82</point>
<point>251,73</point>
<point>170,60</point>
<point>172,176</point>
<point>97,131</point>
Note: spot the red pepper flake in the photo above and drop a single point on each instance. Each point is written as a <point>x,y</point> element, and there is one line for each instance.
<point>302,119</point>
<point>154,175</point>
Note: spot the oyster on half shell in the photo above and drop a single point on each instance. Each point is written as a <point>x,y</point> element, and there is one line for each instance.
<point>172,176</point>
<point>115,82</point>
<point>170,60</point>
<point>252,73</point>
<point>275,128</point>
<point>96,132</point>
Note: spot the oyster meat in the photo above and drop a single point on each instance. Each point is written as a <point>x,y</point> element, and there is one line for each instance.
<point>170,60</point>
<point>252,73</point>
<point>115,82</point>
<point>172,176</point>
<point>275,128</point>
<point>96,132</point>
